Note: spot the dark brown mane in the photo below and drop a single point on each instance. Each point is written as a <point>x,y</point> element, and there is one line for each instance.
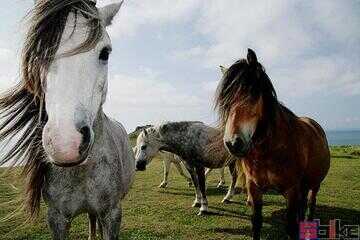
<point>22,108</point>
<point>248,82</point>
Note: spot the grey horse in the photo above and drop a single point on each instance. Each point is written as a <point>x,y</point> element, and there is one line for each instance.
<point>192,142</point>
<point>75,157</point>
<point>170,158</point>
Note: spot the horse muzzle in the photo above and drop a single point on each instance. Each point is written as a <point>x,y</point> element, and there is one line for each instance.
<point>70,147</point>
<point>237,147</point>
<point>141,165</point>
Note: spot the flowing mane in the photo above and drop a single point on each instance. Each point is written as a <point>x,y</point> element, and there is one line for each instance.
<point>243,84</point>
<point>22,109</point>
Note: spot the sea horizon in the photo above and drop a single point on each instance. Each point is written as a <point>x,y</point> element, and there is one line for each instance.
<point>341,137</point>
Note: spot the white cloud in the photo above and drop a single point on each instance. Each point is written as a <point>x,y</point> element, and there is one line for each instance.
<point>135,14</point>
<point>319,74</point>
<point>143,97</point>
<point>8,64</point>
<point>308,47</point>
<point>194,52</point>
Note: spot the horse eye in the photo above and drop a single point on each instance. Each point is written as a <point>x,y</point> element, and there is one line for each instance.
<point>143,147</point>
<point>104,54</point>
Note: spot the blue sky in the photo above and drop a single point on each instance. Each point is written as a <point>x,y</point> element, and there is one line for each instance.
<point>166,54</point>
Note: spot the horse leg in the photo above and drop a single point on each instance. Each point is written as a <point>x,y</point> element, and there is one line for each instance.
<point>194,177</point>
<point>255,200</point>
<point>293,209</point>
<point>303,202</point>
<point>58,224</point>
<point>180,170</point>
<point>110,222</point>
<point>231,191</point>
<point>100,229</point>
<point>222,178</point>
<point>207,172</point>
<point>167,163</point>
<point>312,203</point>
<point>92,226</point>
<point>200,171</point>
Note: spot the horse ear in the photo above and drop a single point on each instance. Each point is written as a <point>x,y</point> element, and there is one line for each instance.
<point>145,132</point>
<point>223,69</point>
<point>108,12</point>
<point>251,57</point>
<point>163,128</point>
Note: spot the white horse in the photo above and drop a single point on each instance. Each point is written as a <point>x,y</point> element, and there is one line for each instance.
<point>74,156</point>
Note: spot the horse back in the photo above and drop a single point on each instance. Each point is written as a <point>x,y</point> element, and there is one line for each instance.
<point>314,150</point>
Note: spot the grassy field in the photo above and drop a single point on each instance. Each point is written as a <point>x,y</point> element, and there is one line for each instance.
<point>153,213</point>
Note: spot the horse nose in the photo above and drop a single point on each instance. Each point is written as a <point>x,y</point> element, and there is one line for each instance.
<point>236,146</point>
<point>141,165</point>
<point>85,132</point>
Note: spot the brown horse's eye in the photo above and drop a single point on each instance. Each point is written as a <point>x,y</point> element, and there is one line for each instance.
<point>104,54</point>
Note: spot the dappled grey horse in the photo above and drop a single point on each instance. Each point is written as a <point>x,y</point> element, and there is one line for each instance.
<point>192,141</point>
<point>74,156</point>
<point>173,159</point>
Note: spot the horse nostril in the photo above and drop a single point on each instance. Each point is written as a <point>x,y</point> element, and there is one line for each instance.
<point>86,138</point>
<point>237,142</point>
<point>229,145</point>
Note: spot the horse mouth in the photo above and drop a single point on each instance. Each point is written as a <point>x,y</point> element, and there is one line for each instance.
<point>69,164</point>
<point>82,160</point>
<point>239,152</point>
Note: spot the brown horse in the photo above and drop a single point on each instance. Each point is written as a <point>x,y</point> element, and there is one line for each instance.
<point>278,149</point>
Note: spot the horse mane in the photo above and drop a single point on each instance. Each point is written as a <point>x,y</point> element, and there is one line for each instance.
<point>243,84</point>
<point>22,107</point>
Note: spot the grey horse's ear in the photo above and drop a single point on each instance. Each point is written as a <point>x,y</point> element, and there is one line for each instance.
<point>251,57</point>
<point>223,69</point>
<point>108,12</point>
<point>145,132</point>
<point>163,128</point>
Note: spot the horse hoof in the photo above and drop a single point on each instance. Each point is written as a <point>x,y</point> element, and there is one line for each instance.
<point>163,185</point>
<point>202,213</point>
<point>226,201</point>
<point>196,204</point>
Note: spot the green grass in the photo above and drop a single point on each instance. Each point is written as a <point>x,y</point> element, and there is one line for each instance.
<point>153,213</point>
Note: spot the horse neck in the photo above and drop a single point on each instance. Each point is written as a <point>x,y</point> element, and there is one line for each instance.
<point>99,122</point>
<point>279,132</point>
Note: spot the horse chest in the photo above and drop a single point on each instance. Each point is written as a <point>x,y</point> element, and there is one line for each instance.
<point>269,176</point>
<point>83,188</point>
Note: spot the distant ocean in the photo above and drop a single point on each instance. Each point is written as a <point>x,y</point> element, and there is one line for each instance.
<point>345,137</point>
